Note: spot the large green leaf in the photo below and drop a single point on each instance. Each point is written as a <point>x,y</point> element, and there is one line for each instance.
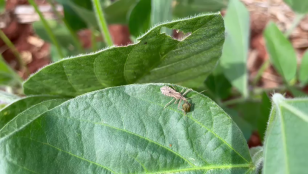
<point>303,71</point>
<point>7,75</point>
<point>12,110</point>
<point>235,50</point>
<point>140,18</point>
<point>281,52</point>
<point>300,6</point>
<point>155,58</point>
<point>27,116</point>
<point>286,141</point>
<point>183,8</point>
<point>127,130</point>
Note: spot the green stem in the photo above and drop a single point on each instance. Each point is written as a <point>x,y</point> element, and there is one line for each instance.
<point>264,66</point>
<point>11,46</point>
<point>102,22</point>
<point>47,28</point>
<point>72,32</point>
<point>296,21</point>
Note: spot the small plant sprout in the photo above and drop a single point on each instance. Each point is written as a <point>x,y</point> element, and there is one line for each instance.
<point>177,96</point>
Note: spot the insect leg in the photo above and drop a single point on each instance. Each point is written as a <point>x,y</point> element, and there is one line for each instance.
<point>176,101</point>
<point>187,91</point>
<point>179,105</point>
<point>169,103</point>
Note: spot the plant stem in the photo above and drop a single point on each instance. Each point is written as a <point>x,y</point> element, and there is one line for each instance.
<point>296,21</point>
<point>11,46</point>
<point>102,22</point>
<point>47,28</point>
<point>72,32</point>
<point>264,66</point>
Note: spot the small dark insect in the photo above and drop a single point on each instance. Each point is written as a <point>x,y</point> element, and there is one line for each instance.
<point>145,42</point>
<point>186,107</point>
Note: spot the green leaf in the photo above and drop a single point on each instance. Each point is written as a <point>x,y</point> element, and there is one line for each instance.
<point>7,75</point>
<point>12,110</point>
<point>161,12</point>
<point>296,92</point>
<point>155,58</point>
<point>219,85</point>
<point>2,6</point>
<point>140,18</point>
<point>286,141</point>
<point>255,113</point>
<point>127,130</point>
<point>265,109</point>
<point>235,50</point>
<point>303,71</point>
<point>256,154</point>
<point>183,8</point>
<point>281,52</point>
<point>60,31</point>
<point>245,127</point>
<point>299,6</point>
<point>27,116</point>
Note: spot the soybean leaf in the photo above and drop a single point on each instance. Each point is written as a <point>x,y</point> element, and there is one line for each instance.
<point>27,116</point>
<point>303,71</point>
<point>155,58</point>
<point>12,110</point>
<point>299,6</point>
<point>161,12</point>
<point>235,50</point>
<point>7,75</point>
<point>127,130</point>
<point>286,141</point>
<point>255,113</point>
<point>281,52</point>
<point>296,92</point>
<point>245,127</point>
<point>184,8</point>
<point>256,154</point>
<point>219,85</point>
<point>140,18</point>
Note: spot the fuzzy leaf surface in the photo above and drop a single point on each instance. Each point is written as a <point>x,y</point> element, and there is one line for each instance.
<point>155,58</point>
<point>286,141</point>
<point>12,110</point>
<point>127,130</point>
